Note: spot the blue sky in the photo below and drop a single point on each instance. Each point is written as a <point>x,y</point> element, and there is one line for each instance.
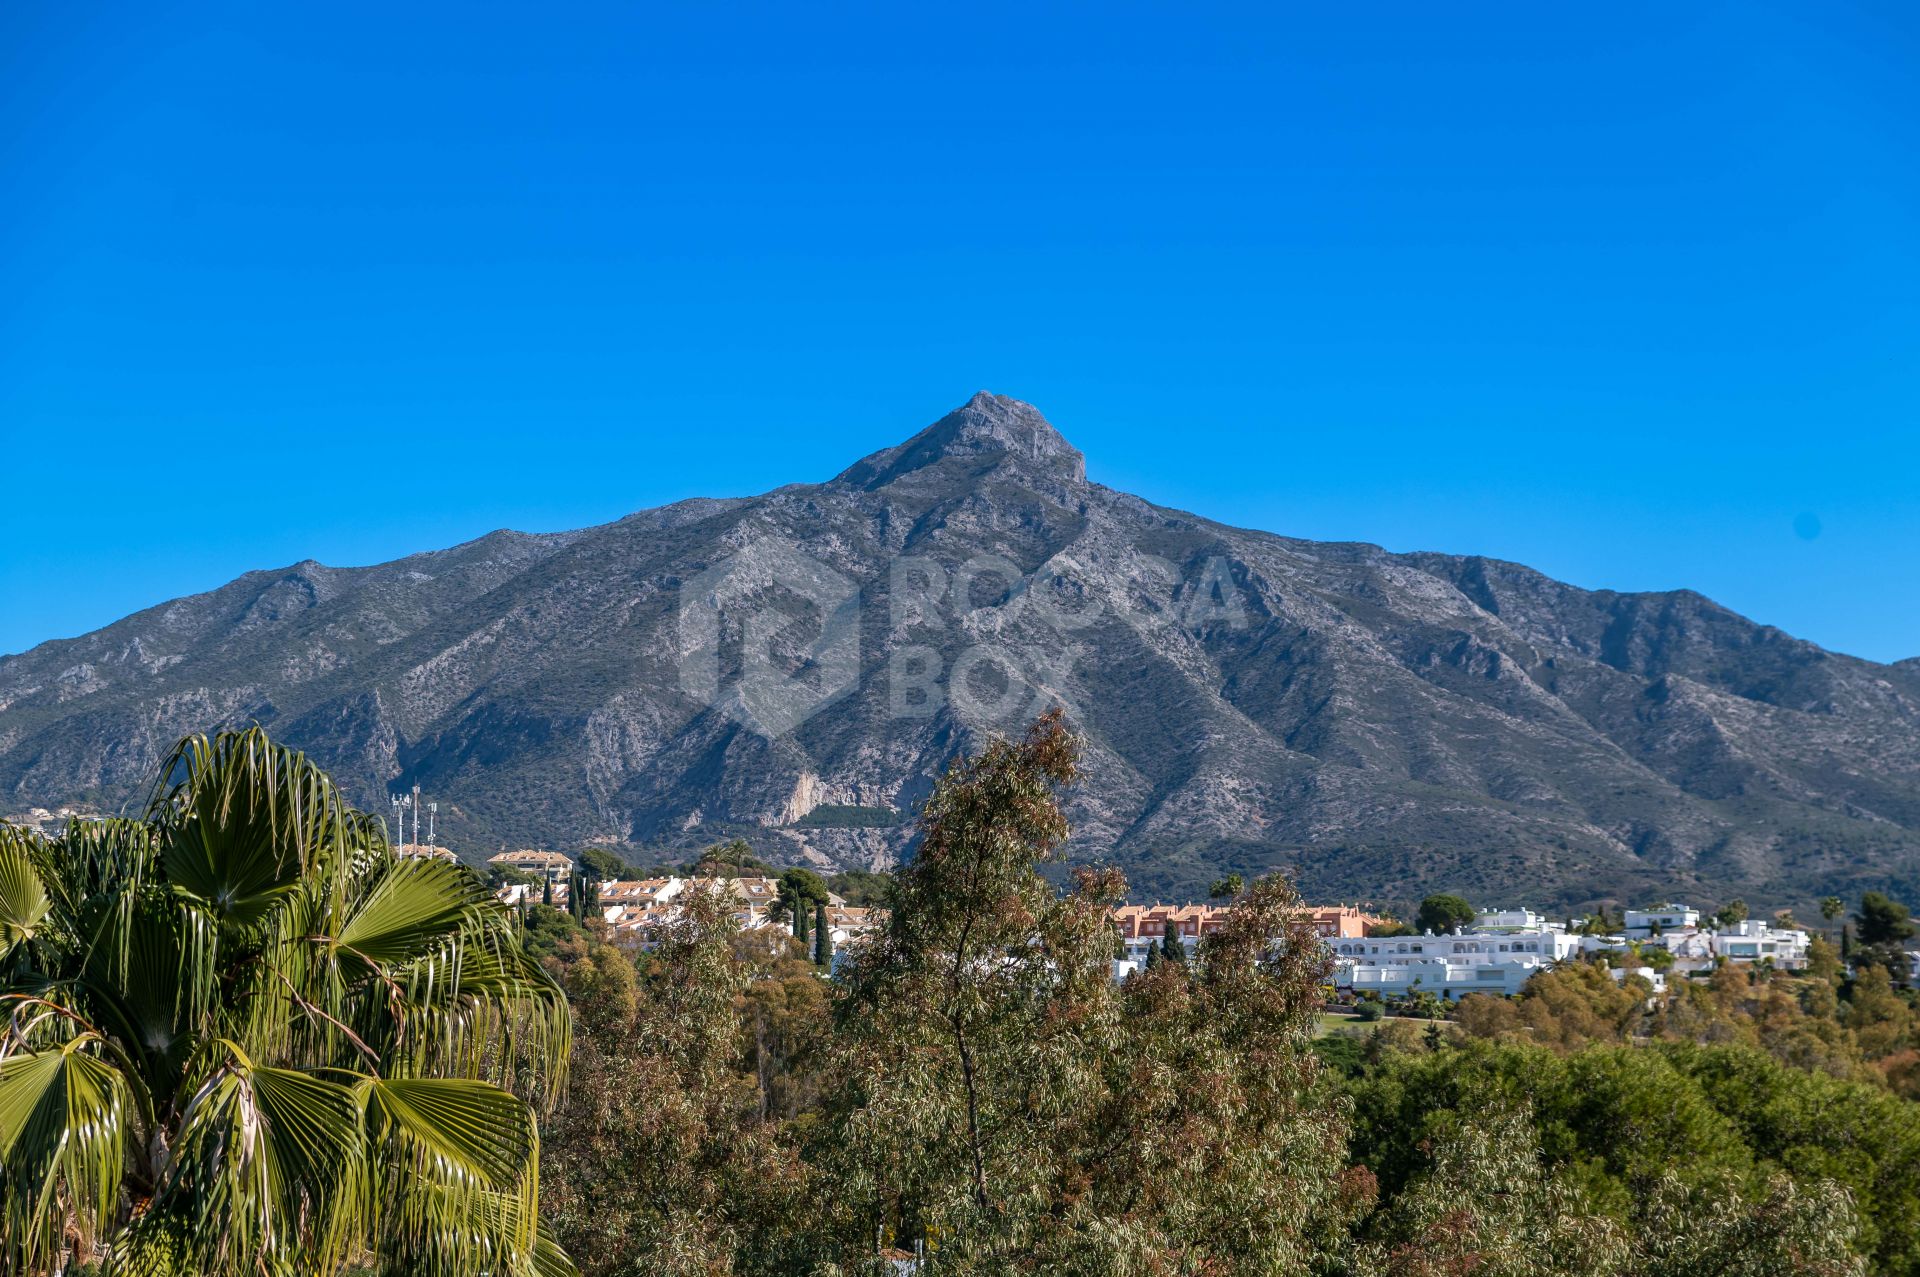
<point>1627,292</point>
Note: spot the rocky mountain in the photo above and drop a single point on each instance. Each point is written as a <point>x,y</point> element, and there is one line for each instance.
<point>797,667</point>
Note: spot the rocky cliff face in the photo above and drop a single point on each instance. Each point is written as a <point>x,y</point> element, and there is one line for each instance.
<point>794,667</point>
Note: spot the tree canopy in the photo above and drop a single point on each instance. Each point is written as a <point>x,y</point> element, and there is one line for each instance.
<point>1443,913</point>
<point>604,866</point>
<point>1883,920</point>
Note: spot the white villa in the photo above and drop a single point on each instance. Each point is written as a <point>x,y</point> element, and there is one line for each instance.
<point>1509,920</point>
<point>1758,941</point>
<point>1642,923</point>
<point>1743,943</point>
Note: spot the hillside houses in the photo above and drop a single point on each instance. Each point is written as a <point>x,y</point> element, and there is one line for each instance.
<point>50,821</point>
<point>1506,948</point>
<point>635,909</point>
<point>1497,954</point>
<point>623,898</point>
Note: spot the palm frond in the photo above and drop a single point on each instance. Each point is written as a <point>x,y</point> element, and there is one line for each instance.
<point>243,818</point>
<point>462,1181</point>
<point>486,1003</point>
<point>131,974</point>
<point>248,1006</point>
<point>64,1123</point>
<point>548,1259</point>
<point>415,907</point>
<point>271,1163</point>
<point>460,1233</point>
<point>93,861</point>
<point>24,903</point>
<point>458,1129</point>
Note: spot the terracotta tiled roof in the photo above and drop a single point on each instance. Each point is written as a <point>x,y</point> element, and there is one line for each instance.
<point>632,891</point>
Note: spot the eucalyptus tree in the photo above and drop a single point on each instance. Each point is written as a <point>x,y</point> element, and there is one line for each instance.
<point>998,1098</point>
<point>953,1070</point>
<point>242,1035</point>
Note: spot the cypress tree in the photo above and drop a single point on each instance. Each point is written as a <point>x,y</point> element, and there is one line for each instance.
<point>546,891</point>
<point>800,922</point>
<point>1170,947</point>
<point>822,938</point>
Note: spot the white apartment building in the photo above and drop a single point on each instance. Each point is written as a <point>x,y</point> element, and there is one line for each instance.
<point>1542,944</point>
<point>1498,963</point>
<point>1484,960</point>
<point>551,865</point>
<point>1444,979</point>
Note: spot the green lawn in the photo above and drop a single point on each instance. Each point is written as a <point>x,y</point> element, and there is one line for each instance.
<point>1328,1023</point>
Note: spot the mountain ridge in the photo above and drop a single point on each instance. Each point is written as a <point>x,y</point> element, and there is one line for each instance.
<point>1379,723</point>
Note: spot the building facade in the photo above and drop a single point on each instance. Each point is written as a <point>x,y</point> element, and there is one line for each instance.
<point>551,865</point>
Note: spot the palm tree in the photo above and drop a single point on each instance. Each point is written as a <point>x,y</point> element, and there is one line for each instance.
<point>243,1036</point>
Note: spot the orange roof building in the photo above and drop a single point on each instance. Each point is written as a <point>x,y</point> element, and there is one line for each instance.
<point>1191,921</point>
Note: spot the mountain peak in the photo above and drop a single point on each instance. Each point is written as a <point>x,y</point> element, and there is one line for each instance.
<point>984,425</point>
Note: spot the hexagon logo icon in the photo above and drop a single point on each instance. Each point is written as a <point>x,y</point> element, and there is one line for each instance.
<point>797,624</point>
